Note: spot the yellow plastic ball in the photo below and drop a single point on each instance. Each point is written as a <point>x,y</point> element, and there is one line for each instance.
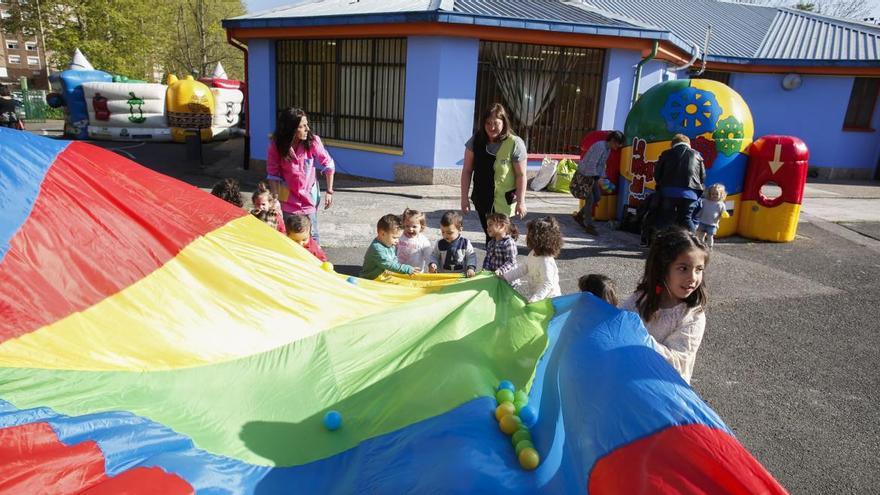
<point>509,424</point>
<point>327,266</point>
<point>528,458</point>
<point>504,409</point>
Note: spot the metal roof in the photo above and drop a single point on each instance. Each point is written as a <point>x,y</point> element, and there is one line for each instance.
<point>741,33</point>
<point>800,35</point>
<point>737,29</point>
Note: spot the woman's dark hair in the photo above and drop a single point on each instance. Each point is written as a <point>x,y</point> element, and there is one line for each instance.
<point>228,190</point>
<point>615,136</point>
<point>544,236</point>
<point>496,111</point>
<point>297,223</point>
<point>600,286</point>
<point>452,218</point>
<point>285,128</point>
<point>668,244</point>
<point>502,219</point>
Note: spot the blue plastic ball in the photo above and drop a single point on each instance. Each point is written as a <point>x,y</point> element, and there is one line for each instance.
<point>352,280</point>
<point>506,385</point>
<point>332,420</point>
<point>528,415</point>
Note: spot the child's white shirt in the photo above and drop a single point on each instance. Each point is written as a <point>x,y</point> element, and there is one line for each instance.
<point>676,333</point>
<point>541,276</point>
<point>414,251</point>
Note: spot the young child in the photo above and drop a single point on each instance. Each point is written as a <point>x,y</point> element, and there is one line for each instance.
<point>380,256</point>
<point>671,297</point>
<point>228,190</point>
<point>600,286</point>
<point>414,248</point>
<point>299,230</point>
<point>711,213</point>
<point>267,208</point>
<point>501,249</point>
<point>453,253</point>
<point>544,239</point>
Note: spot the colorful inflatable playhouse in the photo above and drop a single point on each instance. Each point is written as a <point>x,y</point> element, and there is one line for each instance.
<point>151,346</point>
<point>101,106</point>
<point>719,125</point>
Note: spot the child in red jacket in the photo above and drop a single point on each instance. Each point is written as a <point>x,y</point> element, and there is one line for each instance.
<point>299,229</point>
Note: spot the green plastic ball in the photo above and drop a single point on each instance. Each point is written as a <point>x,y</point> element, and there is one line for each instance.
<point>504,395</point>
<point>525,444</point>
<point>521,397</point>
<point>520,435</point>
<point>518,405</point>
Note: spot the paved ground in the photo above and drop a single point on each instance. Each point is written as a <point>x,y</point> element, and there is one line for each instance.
<point>792,346</point>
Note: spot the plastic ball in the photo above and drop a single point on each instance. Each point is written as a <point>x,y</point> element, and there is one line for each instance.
<point>525,444</point>
<point>332,420</point>
<point>521,397</point>
<point>509,424</point>
<point>506,385</point>
<point>528,458</point>
<point>327,266</point>
<point>520,435</point>
<point>518,404</point>
<point>528,415</point>
<point>504,409</point>
<point>504,395</point>
<point>352,280</point>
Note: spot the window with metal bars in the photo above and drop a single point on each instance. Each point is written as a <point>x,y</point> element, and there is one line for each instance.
<point>862,101</point>
<point>550,92</point>
<point>351,89</point>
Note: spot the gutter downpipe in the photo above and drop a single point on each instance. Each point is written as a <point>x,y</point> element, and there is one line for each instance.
<point>638,75</point>
<point>246,164</point>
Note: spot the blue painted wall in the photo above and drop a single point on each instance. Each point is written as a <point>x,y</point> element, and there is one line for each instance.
<point>618,85</point>
<point>261,91</point>
<point>815,113</point>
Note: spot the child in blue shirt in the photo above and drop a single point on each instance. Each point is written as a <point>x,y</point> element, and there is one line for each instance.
<point>381,255</point>
<point>453,253</point>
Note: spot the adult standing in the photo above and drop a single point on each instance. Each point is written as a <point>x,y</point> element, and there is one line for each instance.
<point>495,162</point>
<point>294,156</point>
<point>585,184</point>
<point>680,176</point>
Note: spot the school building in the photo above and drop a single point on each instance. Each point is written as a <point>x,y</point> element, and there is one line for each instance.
<point>395,87</point>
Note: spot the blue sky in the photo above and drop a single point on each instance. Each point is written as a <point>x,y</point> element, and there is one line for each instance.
<point>258,5</point>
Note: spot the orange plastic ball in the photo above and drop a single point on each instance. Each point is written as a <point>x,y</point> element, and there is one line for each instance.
<point>509,424</point>
<point>504,409</point>
<point>528,458</point>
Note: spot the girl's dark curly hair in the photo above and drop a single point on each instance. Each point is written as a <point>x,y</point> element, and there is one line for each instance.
<point>544,236</point>
<point>667,245</point>
<point>229,191</point>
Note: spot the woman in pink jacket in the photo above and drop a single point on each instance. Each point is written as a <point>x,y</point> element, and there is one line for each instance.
<point>295,154</point>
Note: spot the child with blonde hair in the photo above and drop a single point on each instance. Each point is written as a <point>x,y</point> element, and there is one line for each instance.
<point>544,238</point>
<point>711,213</point>
<point>266,207</point>
<point>414,248</point>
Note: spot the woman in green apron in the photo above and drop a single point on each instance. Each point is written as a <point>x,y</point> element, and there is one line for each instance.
<point>495,162</point>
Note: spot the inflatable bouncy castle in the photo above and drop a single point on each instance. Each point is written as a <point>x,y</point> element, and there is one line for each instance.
<point>719,125</point>
<point>100,106</point>
<point>184,346</point>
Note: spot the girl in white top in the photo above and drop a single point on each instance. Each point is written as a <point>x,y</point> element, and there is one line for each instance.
<point>414,248</point>
<point>671,297</point>
<point>539,273</point>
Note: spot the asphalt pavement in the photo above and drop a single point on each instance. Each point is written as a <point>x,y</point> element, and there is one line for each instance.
<point>792,345</point>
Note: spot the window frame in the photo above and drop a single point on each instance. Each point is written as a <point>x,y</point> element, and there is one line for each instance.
<point>10,56</point>
<point>36,60</point>
<point>29,44</point>
<point>11,44</point>
<point>573,112</point>
<point>352,89</point>
<point>858,101</point>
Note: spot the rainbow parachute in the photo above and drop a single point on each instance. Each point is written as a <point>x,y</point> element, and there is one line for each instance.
<point>157,340</point>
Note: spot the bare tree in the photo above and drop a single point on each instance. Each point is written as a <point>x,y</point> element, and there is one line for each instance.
<point>852,9</point>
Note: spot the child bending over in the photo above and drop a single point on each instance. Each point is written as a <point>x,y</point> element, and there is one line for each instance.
<point>299,230</point>
<point>600,286</point>
<point>381,256</point>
